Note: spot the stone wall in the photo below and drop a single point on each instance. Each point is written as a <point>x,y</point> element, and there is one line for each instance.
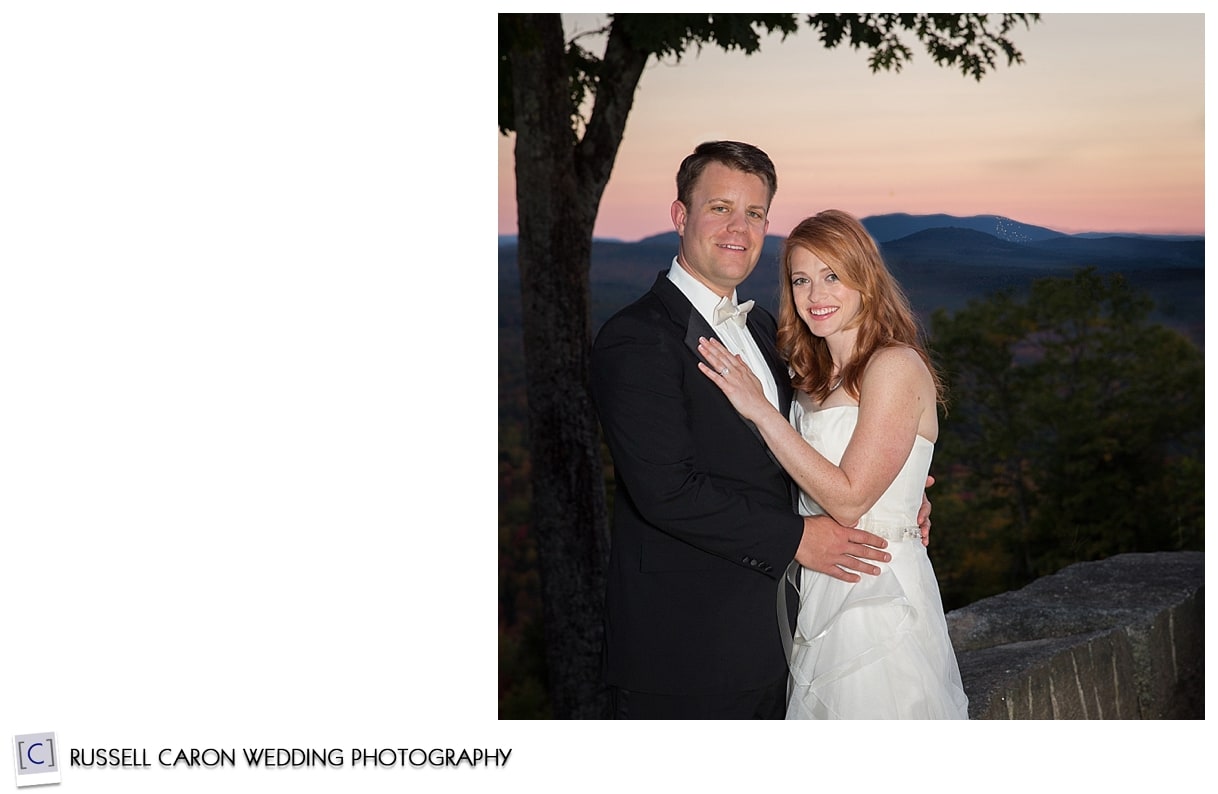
<point>1121,638</point>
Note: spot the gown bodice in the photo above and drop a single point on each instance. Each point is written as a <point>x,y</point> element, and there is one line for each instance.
<point>829,430</point>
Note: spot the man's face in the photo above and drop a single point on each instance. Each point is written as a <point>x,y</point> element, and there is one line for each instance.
<point>724,227</point>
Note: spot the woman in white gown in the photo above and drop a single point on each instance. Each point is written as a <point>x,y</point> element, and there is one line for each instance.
<point>859,444</point>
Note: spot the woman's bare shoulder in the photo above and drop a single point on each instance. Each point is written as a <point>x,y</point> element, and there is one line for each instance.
<point>896,361</point>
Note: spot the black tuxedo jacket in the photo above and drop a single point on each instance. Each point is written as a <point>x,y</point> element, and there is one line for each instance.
<point>703,525</point>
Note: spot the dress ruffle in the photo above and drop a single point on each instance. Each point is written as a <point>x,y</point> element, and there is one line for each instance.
<point>872,650</point>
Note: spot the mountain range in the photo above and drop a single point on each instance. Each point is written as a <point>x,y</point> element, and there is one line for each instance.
<point>942,261</point>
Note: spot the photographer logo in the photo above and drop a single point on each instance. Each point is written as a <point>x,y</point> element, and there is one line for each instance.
<point>35,759</point>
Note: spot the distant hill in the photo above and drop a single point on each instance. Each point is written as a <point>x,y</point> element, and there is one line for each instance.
<point>942,261</point>
<point>892,227</point>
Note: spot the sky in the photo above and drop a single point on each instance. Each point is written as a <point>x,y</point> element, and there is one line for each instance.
<point>1102,128</point>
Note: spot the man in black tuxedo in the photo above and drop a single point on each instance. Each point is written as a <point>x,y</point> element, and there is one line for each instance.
<point>704,525</point>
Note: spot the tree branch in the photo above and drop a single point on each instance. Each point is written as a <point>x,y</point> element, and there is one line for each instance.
<point>616,81</point>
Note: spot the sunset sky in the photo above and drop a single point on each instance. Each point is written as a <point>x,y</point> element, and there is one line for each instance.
<point>1102,128</point>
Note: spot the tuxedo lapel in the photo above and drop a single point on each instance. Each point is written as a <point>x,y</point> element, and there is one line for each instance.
<point>782,376</point>
<point>697,326</point>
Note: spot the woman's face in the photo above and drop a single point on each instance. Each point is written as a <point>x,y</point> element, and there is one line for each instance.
<point>827,306</point>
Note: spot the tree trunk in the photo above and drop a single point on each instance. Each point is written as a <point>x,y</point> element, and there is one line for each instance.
<point>554,256</point>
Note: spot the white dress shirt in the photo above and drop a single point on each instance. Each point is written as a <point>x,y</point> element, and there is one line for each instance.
<point>735,338</point>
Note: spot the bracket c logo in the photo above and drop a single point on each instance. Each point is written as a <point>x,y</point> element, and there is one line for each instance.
<point>36,759</point>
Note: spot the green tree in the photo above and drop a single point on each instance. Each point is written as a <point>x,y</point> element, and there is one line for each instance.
<point>563,162</point>
<point>1075,432</point>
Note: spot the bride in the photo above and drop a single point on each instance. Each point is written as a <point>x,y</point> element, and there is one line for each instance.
<point>859,444</point>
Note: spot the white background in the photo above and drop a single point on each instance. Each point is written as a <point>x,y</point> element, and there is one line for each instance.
<point>246,420</point>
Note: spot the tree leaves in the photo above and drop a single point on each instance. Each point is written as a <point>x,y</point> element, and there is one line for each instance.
<point>1075,431</point>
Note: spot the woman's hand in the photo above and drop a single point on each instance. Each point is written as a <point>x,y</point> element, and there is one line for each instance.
<point>734,378</point>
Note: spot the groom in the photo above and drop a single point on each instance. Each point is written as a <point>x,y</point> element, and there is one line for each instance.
<point>704,526</point>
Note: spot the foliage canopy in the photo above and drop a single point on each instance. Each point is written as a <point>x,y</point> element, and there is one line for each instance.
<point>1076,432</point>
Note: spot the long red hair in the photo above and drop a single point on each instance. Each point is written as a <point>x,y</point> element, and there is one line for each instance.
<point>886,319</point>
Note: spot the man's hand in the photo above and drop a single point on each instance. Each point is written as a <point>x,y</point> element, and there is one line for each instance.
<point>924,514</point>
<point>839,551</point>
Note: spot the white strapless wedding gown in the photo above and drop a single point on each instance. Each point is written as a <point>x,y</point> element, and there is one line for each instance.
<point>878,649</point>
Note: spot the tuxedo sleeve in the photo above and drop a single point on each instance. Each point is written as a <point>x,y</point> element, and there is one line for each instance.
<point>688,464</point>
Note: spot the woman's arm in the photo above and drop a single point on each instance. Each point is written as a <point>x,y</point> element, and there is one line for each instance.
<point>893,396</point>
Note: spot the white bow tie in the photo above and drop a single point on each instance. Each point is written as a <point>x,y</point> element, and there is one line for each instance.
<point>726,310</point>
